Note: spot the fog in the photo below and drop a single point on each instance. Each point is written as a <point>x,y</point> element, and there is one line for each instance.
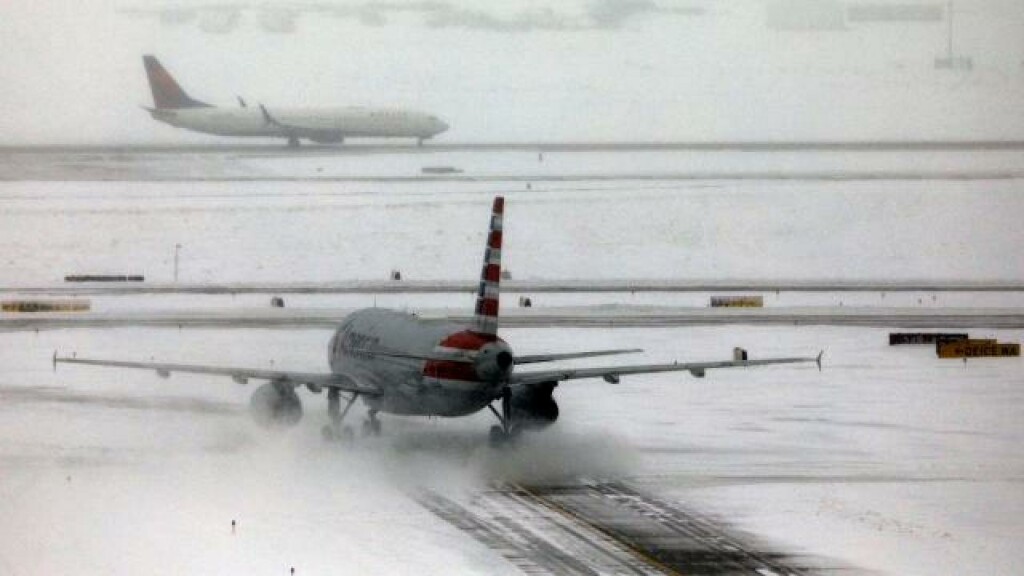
<point>889,459</point>
<point>527,71</point>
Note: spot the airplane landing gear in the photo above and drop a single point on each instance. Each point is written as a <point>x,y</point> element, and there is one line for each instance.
<point>498,437</point>
<point>293,142</point>
<point>334,430</point>
<point>505,432</point>
<point>371,426</point>
<point>343,434</point>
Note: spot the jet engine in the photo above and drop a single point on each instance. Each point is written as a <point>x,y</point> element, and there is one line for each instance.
<point>533,406</point>
<point>276,404</point>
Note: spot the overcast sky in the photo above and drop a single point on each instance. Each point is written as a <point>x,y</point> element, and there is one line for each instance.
<point>633,70</point>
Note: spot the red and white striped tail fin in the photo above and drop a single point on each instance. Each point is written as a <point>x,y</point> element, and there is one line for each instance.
<point>486,319</point>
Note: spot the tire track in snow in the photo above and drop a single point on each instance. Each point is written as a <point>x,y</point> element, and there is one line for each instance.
<point>602,528</point>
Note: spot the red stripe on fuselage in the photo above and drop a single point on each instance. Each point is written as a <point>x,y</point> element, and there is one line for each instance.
<point>468,340</point>
<point>447,370</point>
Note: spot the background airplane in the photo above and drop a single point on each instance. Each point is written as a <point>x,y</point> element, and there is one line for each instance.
<point>402,364</point>
<point>323,125</point>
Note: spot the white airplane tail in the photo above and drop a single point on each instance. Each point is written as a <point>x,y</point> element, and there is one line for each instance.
<point>486,313</point>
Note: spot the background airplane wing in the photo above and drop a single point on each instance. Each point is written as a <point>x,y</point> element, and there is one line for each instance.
<point>289,129</point>
<point>612,373</point>
<point>242,375</point>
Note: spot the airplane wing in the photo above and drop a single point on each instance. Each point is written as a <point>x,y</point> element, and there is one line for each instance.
<point>296,130</point>
<point>611,374</point>
<point>342,382</point>
<point>469,356</point>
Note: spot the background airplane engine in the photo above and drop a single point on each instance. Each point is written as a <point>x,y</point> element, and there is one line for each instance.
<point>533,406</point>
<point>275,404</point>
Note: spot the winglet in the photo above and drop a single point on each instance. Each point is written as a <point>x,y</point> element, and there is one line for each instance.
<point>818,359</point>
<point>267,118</point>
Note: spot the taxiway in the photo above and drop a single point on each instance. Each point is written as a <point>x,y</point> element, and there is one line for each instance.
<point>617,316</point>
<point>519,286</point>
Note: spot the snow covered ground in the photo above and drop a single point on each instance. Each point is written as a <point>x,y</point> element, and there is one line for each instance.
<point>516,162</point>
<point>890,459</point>
<point>322,230</point>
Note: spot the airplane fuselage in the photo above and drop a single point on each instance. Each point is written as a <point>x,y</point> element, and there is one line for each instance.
<point>318,124</point>
<point>399,363</point>
<point>411,386</point>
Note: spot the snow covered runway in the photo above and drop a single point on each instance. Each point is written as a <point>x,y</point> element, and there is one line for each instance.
<point>888,449</point>
<point>889,460</point>
<point>566,316</point>
<point>607,528</point>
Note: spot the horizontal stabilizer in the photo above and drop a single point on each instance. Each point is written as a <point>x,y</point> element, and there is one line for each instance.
<point>535,358</point>
<point>613,373</point>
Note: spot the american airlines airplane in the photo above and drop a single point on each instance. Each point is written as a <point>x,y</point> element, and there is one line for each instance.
<point>399,363</point>
<point>322,125</point>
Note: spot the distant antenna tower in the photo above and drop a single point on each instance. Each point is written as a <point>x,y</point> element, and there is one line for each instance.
<point>951,61</point>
